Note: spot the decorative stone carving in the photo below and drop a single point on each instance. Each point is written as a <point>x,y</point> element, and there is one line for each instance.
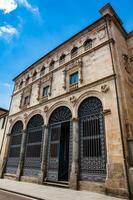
<point>126,61</point>
<point>25,93</point>
<point>73,99</point>
<point>25,116</point>
<point>10,121</point>
<point>101,34</point>
<point>105,88</point>
<point>46,109</point>
<point>45,81</point>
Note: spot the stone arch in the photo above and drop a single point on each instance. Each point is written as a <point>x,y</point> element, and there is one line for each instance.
<point>55,106</point>
<point>88,94</point>
<point>35,112</point>
<point>14,122</point>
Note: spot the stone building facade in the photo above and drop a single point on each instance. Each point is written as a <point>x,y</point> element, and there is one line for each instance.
<point>3,121</point>
<point>71,116</point>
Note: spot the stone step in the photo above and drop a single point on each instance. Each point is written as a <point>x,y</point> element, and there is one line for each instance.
<point>61,184</point>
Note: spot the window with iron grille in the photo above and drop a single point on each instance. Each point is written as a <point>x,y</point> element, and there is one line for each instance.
<point>92,140</point>
<point>14,149</point>
<point>33,150</point>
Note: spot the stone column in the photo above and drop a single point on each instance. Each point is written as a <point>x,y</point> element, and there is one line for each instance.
<point>7,146</point>
<point>22,152</point>
<point>42,174</point>
<point>75,156</point>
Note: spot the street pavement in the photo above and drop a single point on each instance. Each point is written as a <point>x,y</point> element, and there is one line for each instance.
<point>9,196</point>
<point>49,192</point>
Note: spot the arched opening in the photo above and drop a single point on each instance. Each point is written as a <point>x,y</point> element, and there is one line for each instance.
<point>14,148</point>
<point>43,70</point>
<point>87,44</point>
<point>74,52</point>
<point>33,149</point>
<point>59,147</point>
<point>51,65</point>
<point>62,59</point>
<point>92,140</point>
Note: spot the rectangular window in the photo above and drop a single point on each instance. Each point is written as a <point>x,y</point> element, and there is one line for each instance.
<point>26,100</point>
<point>74,78</point>
<point>45,91</point>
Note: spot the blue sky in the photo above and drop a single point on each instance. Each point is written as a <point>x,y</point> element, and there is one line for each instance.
<point>31,28</point>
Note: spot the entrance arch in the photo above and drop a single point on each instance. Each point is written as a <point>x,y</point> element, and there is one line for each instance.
<point>92,140</point>
<point>14,148</point>
<point>59,147</point>
<point>33,149</point>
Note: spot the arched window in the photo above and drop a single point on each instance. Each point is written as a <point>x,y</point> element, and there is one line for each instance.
<point>43,70</point>
<point>88,44</point>
<point>32,161</point>
<point>62,59</point>
<point>21,84</point>
<point>34,75</point>
<point>27,80</point>
<point>92,140</point>
<point>14,148</point>
<point>74,52</point>
<point>51,66</point>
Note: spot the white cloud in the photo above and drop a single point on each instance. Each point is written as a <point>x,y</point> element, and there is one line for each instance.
<point>27,5</point>
<point>7,32</point>
<point>7,85</point>
<point>8,5</point>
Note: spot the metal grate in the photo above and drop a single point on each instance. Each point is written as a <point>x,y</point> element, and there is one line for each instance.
<point>32,161</point>
<point>14,149</point>
<point>92,140</point>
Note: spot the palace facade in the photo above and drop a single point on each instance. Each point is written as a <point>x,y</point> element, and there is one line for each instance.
<point>71,119</point>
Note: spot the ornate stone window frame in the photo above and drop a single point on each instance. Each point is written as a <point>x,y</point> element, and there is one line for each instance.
<point>44,82</point>
<point>69,70</point>
<point>25,93</point>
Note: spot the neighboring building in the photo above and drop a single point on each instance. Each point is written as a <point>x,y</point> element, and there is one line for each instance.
<point>71,116</point>
<point>3,119</point>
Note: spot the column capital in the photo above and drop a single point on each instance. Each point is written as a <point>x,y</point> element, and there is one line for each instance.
<point>45,125</point>
<point>75,119</point>
<point>24,131</point>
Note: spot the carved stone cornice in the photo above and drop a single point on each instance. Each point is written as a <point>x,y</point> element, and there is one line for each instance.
<point>93,84</point>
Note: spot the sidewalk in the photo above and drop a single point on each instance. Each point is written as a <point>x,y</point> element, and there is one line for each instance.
<point>50,193</point>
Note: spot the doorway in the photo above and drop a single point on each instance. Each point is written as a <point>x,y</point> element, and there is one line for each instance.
<point>59,145</point>
<point>64,152</point>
